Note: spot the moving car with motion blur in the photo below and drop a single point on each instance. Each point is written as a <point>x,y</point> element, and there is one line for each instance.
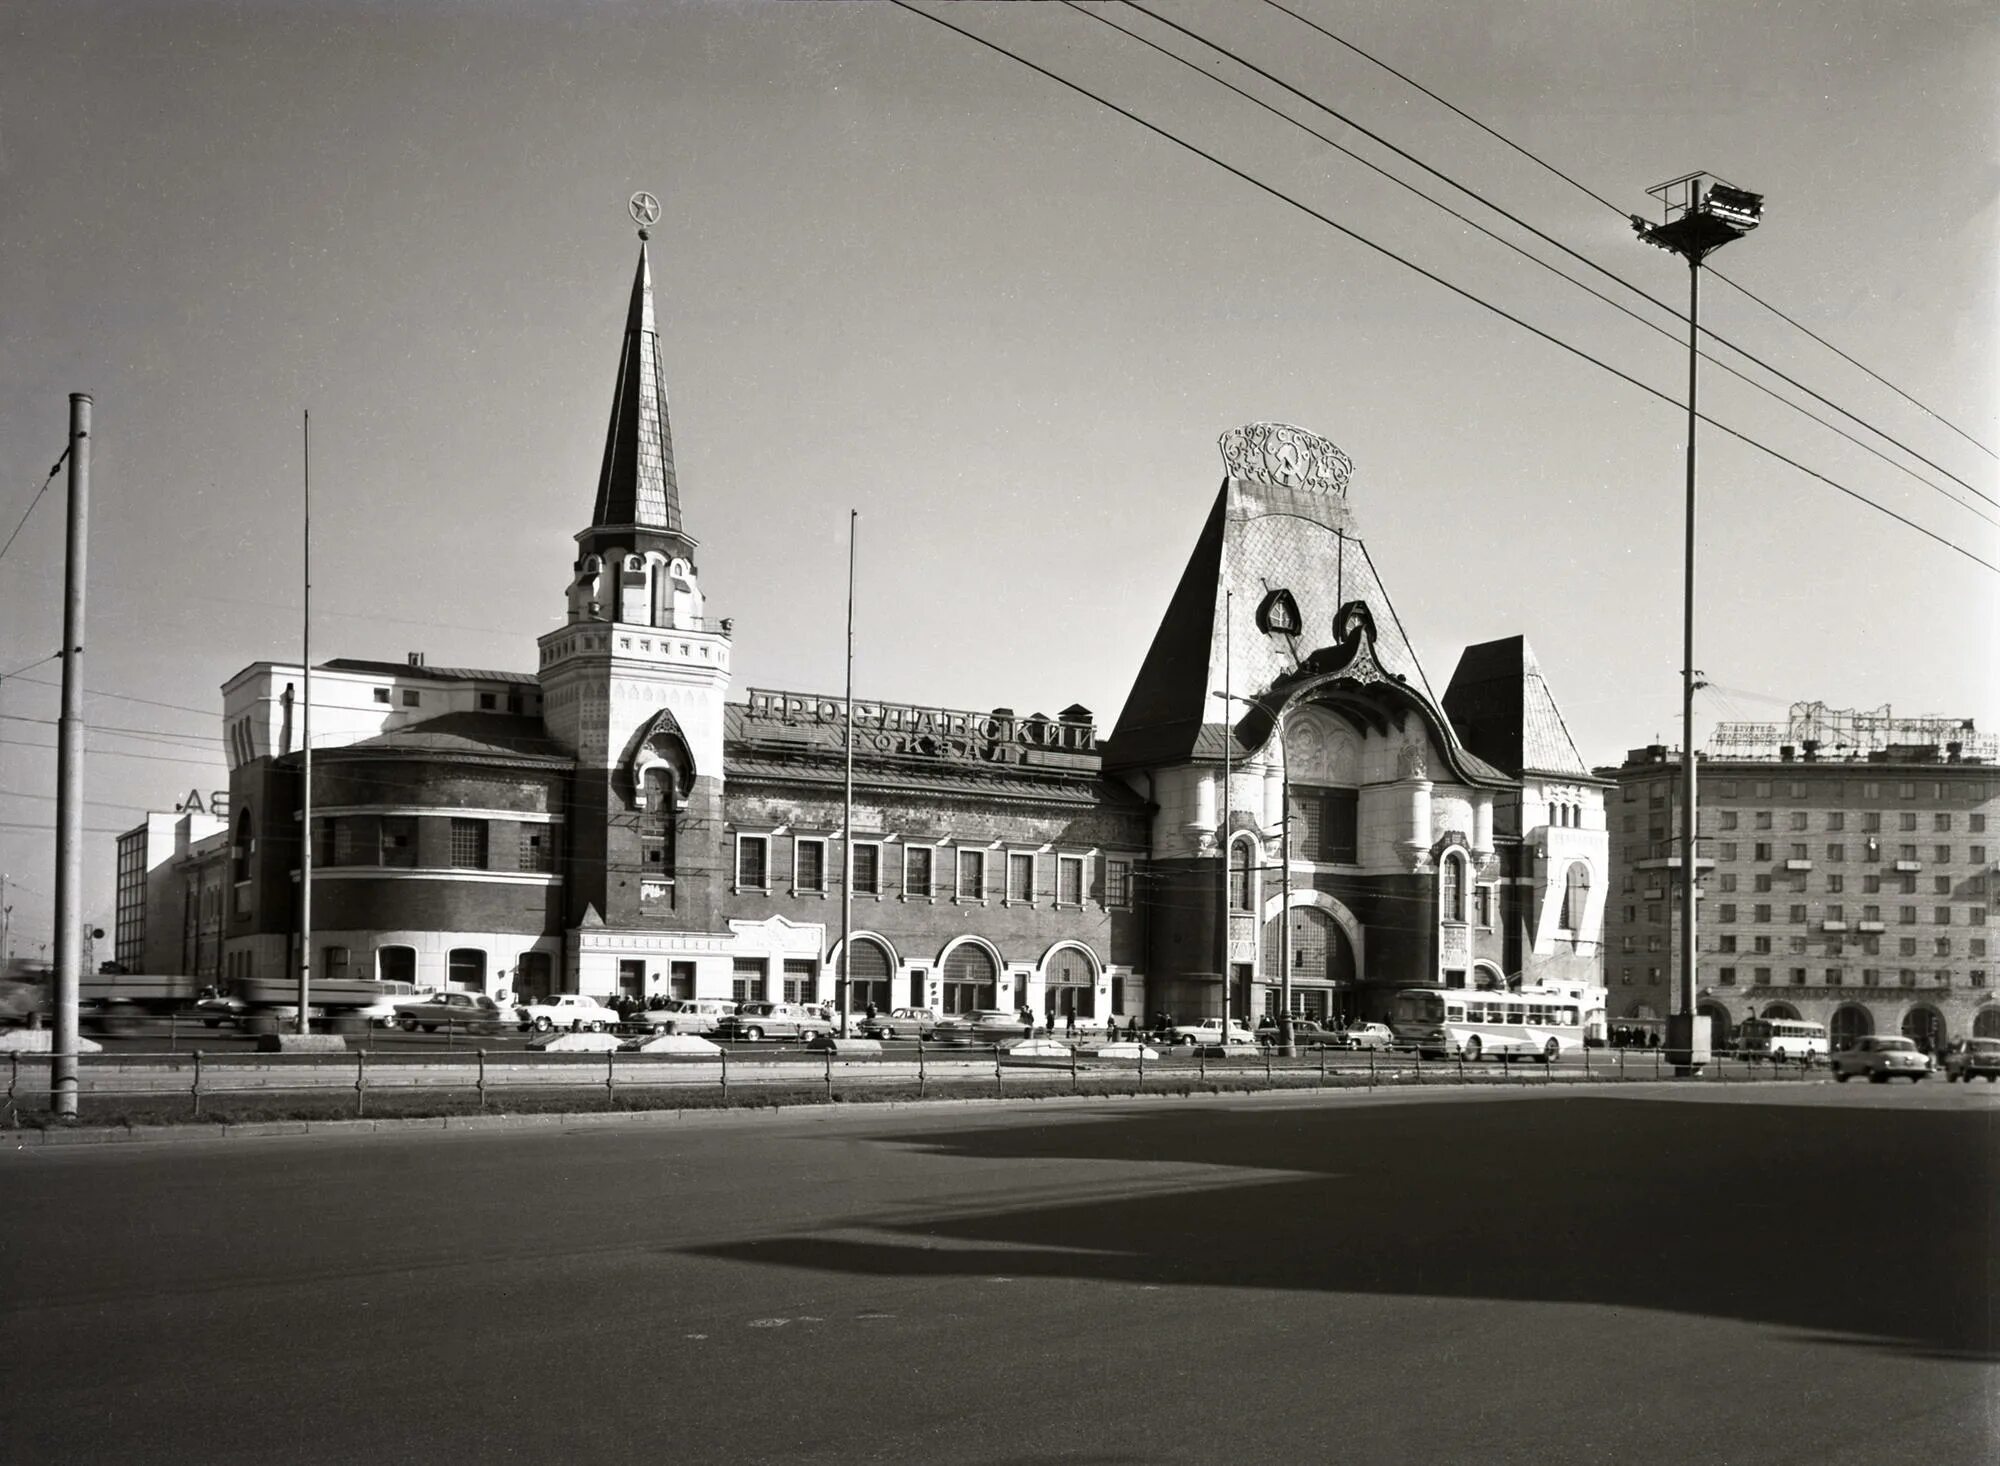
<point>473,1012</point>
<point>754,1022</point>
<point>980,1026</point>
<point>1882,1057</point>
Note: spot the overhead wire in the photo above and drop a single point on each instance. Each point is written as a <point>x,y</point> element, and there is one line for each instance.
<point>1438,279</point>
<point>1540,234</point>
<point>1589,192</point>
<point>53,471</point>
<point>1525,254</point>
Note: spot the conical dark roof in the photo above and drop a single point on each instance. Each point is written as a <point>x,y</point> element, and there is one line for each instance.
<point>636,485</point>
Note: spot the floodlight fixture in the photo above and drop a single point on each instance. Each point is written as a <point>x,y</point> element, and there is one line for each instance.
<point>1701,213</point>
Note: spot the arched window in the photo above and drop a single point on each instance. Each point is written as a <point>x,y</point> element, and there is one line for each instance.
<point>1451,888</point>
<point>1851,1021</point>
<point>870,975</point>
<point>971,978</point>
<point>1924,1026</point>
<point>1986,1023</point>
<point>1576,897</point>
<point>244,847</point>
<point>396,964</point>
<point>1242,868</point>
<point>1072,983</point>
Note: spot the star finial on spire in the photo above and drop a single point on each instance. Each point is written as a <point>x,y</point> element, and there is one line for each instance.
<point>645,211</point>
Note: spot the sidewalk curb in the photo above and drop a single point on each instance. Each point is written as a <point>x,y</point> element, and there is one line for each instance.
<point>26,1139</point>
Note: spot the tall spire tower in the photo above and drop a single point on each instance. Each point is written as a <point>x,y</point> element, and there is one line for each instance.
<point>635,680</point>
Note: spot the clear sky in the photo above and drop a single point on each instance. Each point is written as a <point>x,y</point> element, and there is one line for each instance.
<point>901,274</point>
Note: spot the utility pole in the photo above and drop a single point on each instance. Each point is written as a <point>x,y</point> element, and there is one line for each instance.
<point>69,770</point>
<point>840,979</point>
<point>304,1024</point>
<point>1701,216</point>
<point>1228,809</point>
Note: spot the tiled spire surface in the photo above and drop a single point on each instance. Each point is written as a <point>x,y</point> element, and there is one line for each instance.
<point>636,485</point>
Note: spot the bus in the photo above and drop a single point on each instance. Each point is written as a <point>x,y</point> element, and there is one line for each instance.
<point>1782,1039</point>
<point>1438,1023</point>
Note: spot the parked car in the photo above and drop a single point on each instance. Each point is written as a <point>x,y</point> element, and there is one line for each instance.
<point>683,1015</point>
<point>1882,1057</point>
<point>1366,1036</point>
<point>981,1026</point>
<point>900,1023</point>
<point>1210,1031</point>
<point>472,1011</point>
<point>1306,1032</point>
<point>1973,1058</point>
<point>752,1022</point>
<point>574,1012</point>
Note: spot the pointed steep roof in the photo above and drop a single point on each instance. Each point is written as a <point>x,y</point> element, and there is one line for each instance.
<point>1279,526</point>
<point>1500,704</point>
<point>636,485</point>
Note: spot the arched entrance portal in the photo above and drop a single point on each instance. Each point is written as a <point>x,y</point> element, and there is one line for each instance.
<point>1323,967</point>
<point>1923,1026</point>
<point>1780,1010</point>
<point>1070,982</point>
<point>1850,1022</point>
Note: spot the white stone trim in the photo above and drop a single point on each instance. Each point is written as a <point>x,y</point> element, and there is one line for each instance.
<point>526,817</point>
<point>435,873</point>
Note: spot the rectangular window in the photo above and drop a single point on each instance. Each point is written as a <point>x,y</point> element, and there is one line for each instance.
<point>1907,947</point>
<point>1940,822</point>
<point>1798,820</point>
<point>1725,788</point>
<point>1117,886</point>
<point>1906,915</point>
<point>1760,945</point>
<point>333,964</point>
<point>801,980</point>
<point>1726,881</point>
<point>1020,877</point>
<point>1837,820</point>
<point>381,694</point>
<point>468,844</point>
<point>1833,977</point>
<point>1871,884</point>
<point>1871,912</point>
<point>1482,897</point>
<point>1798,914</point>
<point>809,867</point>
<point>1726,942</point>
<point>412,699</point>
<point>1727,913</point>
<point>1907,789</point>
<point>1835,885</point>
<point>1941,947</point>
<point>1762,819</point>
<point>1977,855</point>
<point>1763,850</point>
<point>753,862</point>
<point>1726,850</point>
<point>680,979</point>
<point>1871,821</point>
<point>1836,854</point>
<point>917,862</point>
<point>1798,977</point>
<point>1727,820</point>
<point>1726,976</point>
<point>971,875</point>
<point>1943,854</point>
<point>1762,788</point>
<point>488,702</point>
<point>537,851</point>
<point>747,981</point>
<point>1799,851</point>
<point>1763,913</point>
<point>1069,880</point>
<point>868,869</point>
<point>399,840</point>
<point>1941,916</point>
<point>1976,823</point>
<point>1762,882</point>
<point>1763,976</point>
<point>1906,852</point>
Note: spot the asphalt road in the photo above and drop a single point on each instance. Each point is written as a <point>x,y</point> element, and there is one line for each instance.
<point>1758,1274</point>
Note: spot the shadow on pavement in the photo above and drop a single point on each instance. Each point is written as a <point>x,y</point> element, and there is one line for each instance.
<point>1871,1226</point>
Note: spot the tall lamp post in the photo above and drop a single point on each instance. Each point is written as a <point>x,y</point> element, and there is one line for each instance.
<point>1700,215</point>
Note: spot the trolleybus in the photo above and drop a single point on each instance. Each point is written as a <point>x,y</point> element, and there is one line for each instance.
<point>1457,1021</point>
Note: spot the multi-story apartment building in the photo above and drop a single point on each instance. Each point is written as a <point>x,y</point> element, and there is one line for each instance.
<point>1855,891</point>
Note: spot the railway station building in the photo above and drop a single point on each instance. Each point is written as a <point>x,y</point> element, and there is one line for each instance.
<point>623,818</point>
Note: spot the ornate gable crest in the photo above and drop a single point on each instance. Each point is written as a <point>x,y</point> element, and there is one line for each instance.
<point>662,750</point>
